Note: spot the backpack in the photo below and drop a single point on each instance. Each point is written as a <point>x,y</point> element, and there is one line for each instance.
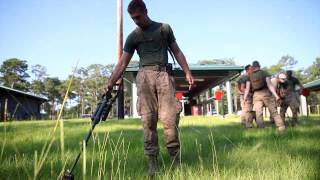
<point>258,80</point>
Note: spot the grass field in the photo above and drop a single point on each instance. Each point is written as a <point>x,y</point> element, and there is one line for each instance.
<point>212,148</point>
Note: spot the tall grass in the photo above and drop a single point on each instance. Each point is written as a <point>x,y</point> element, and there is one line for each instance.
<point>211,148</point>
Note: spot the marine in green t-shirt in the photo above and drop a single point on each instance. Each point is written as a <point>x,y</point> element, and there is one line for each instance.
<point>155,85</point>
<point>264,95</point>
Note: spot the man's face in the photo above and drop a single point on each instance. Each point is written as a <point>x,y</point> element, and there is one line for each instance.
<point>139,17</point>
<point>282,78</point>
<point>249,70</point>
<point>255,68</point>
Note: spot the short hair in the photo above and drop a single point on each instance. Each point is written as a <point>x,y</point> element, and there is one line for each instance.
<point>282,76</point>
<point>255,64</point>
<point>136,5</point>
<point>289,73</point>
<point>247,67</point>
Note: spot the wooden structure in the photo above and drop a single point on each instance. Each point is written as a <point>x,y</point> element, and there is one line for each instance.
<point>15,104</point>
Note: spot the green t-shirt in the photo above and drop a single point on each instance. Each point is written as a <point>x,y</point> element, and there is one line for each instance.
<point>243,79</point>
<point>151,43</point>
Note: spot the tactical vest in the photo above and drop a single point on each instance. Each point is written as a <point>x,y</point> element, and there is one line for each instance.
<point>258,80</point>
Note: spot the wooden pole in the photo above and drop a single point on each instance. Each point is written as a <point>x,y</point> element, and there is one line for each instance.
<point>120,100</point>
<point>119,30</point>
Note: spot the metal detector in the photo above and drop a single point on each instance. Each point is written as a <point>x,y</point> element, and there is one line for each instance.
<point>100,114</point>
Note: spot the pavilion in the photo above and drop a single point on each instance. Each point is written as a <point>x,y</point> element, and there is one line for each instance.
<point>207,78</point>
<point>313,87</point>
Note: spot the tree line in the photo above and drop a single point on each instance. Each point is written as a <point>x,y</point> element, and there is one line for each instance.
<point>88,82</point>
<point>86,88</point>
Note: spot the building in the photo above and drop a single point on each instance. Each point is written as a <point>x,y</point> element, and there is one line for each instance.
<point>201,99</point>
<point>313,87</point>
<point>18,105</point>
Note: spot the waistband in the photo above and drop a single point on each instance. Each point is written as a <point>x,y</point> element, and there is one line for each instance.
<point>163,68</point>
<point>261,89</point>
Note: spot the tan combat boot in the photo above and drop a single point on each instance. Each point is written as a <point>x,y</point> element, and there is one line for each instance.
<point>281,129</point>
<point>152,165</point>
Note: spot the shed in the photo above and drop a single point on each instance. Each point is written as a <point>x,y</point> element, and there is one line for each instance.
<point>16,104</point>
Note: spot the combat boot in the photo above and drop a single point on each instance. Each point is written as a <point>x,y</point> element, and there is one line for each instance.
<point>281,129</point>
<point>152,166</point>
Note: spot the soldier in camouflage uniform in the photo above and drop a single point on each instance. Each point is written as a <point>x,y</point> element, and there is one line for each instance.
<point>247,113</point>
<point>263,90</point>
<point>155,83</point>
<point>278,82</point>
<point>291,97</point>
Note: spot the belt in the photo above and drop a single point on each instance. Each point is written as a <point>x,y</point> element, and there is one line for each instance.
<point>156,68</point>
<point>260,89</point>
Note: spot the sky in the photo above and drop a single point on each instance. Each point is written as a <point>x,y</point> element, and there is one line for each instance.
<point>58,33</point>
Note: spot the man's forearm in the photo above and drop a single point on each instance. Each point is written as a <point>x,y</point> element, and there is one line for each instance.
<point>178,54</point>
<point>271,88</point>
<point>273,91</point>
<point>183,62</point>
<point>116,74</point>
<point>119,69</point>
<point>246,91</point>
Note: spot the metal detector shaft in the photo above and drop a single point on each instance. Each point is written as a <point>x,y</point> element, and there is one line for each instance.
<point>86,142</point>
<point>101,113</point>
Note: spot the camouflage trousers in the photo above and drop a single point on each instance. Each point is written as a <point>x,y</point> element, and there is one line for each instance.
<point>247,114</point>
<point>292,101</point>
<point>263,98</point>
<point>156,100</point>
<point>243,117</point>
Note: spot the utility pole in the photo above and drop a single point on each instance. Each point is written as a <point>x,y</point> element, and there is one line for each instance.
<point>120,100</point>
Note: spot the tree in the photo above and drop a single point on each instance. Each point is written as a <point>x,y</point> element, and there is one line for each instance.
<point>274,69</point>
<point>39,72</point>
<point>37,84</point>
<point>14,74</point>
<point>92,80</point>
<point>52,89</point>
<point>287,61</point>
<point>313,71</point>
<point>301,75</point>
<point>228,61</point>
<point>37,87</point>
